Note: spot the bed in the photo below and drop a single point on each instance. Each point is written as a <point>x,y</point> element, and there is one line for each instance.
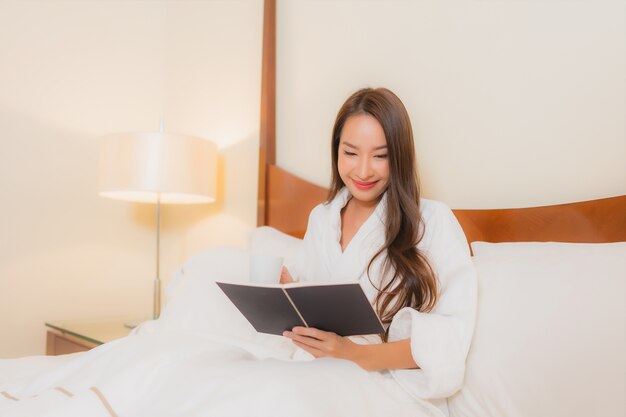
<point>550,338</point>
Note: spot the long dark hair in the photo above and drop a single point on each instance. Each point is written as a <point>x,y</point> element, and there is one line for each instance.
<point>413,283</point>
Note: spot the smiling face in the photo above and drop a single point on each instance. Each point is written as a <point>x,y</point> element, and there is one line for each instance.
<point>362,159</point>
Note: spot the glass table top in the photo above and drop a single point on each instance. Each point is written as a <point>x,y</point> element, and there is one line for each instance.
<point>94,331</point>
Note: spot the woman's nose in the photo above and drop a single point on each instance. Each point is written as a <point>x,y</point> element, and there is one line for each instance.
<point>365,168</point>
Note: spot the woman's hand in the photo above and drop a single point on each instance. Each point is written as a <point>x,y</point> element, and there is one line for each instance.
<point>285,276</point>
<point>323,344</point>
<point>371,357</point>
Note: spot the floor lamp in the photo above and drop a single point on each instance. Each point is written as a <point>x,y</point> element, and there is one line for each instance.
<point>158,168</point>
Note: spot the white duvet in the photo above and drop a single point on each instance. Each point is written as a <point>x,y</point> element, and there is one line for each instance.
<point>201,358</point>
<point>164,373</point>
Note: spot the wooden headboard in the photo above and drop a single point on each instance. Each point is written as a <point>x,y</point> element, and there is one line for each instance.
<point>594,221</point>
<point>285,200</point>
<point>290,199</point>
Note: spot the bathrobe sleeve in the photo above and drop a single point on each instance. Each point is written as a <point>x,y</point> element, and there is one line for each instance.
<point>440,339</point>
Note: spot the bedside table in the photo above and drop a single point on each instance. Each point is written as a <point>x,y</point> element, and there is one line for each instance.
<point>81,335</point>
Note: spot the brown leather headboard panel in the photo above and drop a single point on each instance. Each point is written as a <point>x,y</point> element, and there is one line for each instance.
<point>290,200</point>
<point>595,221</point>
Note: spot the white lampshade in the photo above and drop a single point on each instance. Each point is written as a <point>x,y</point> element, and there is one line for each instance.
<point>146,166</point>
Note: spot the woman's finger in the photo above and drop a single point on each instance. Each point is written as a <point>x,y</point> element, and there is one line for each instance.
<point>315,352</point>
<point>309,341</point>
<point>313,332</point>
<point>285,276</point>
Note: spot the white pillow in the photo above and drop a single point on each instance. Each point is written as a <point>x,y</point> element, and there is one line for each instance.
<point>195,304</point>
<point>193,300</point>
<point>550,336</point>
<point>269,241</point>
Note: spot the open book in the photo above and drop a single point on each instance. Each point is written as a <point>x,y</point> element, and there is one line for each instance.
<point>340,308</point>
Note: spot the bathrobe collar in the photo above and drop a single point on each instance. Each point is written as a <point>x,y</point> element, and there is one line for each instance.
<point>352,263</point>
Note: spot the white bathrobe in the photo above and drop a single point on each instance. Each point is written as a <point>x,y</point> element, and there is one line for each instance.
<point>440,339</point>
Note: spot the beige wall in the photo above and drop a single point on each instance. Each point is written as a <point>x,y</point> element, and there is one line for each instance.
<point>71,72</point>
<point>513,103</point>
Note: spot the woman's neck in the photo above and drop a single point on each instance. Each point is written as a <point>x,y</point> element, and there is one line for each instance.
<point>362,208</point>
<point>353,215</point>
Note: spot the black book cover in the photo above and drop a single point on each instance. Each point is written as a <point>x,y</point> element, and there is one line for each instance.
<point>267,309</point>
<point>340,308</point>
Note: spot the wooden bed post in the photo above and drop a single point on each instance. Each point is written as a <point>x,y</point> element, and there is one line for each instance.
<point>267,136</point>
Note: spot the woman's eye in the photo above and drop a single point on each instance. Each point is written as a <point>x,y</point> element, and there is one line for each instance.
<point>384,156</point>
<point>349,153</point>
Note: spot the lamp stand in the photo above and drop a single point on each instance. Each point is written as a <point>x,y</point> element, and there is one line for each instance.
<point>156,304</point>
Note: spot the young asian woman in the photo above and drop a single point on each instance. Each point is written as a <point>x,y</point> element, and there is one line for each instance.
<point>409,254</point>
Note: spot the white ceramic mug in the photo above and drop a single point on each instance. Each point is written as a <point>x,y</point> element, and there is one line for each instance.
<point>265,269</point>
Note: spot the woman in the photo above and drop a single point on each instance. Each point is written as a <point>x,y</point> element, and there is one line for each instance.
<point>409,254</point>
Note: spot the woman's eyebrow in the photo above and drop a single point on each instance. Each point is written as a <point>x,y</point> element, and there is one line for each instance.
<point>349,145</point>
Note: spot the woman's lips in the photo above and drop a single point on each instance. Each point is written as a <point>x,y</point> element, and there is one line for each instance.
<point>364,185</point>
